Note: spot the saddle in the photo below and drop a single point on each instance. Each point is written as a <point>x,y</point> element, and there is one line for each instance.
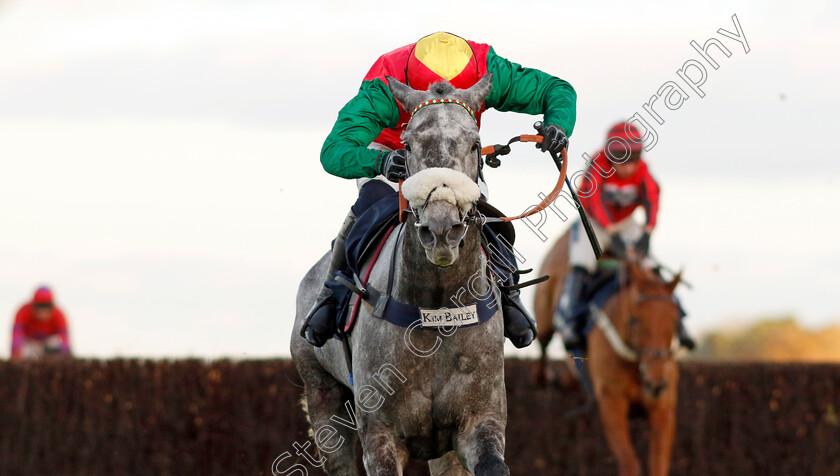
<point>603,285</point>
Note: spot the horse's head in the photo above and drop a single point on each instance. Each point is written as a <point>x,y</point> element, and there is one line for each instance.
<point>443,159</point>
<point>653,315</point>
<point>442,130</point>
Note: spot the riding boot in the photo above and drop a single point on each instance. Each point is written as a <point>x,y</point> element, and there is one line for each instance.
<point>520,327</point>
<point>567,318</point>
<point>685,339</point>
<point>682,333</point>
<point>320,324</point>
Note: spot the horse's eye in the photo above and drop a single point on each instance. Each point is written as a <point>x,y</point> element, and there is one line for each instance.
<point>475,147</point>
<point>407,147</point>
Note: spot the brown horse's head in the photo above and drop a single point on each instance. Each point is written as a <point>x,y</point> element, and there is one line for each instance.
<point>652,315</point>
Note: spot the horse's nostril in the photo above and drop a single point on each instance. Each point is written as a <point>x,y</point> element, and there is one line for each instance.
<point>456,233</point>
<point>427,238</point>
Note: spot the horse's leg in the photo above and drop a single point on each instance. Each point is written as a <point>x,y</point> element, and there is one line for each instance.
<point>543,374</point>
<point>325,398</point>
<point>447,465</point>
<point>543,312</point>
<point>483,448</point>
<point>662,423</point>
<point>382,454</point>
<point>613,410</point>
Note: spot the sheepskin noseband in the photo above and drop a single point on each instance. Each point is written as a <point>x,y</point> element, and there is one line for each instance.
<point>439,183</point>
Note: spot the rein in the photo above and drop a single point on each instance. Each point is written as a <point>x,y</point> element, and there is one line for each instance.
<point>613,337</point>
<point>492,154</point>
<point>626,352</point>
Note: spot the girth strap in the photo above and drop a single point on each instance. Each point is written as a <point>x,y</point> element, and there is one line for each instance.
<point>405,315</point>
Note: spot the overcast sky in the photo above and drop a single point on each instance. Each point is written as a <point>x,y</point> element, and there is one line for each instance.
<point>159,159</point>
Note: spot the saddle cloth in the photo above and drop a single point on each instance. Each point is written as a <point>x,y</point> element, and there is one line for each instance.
<point>365,239</point>
<point>603,285</point>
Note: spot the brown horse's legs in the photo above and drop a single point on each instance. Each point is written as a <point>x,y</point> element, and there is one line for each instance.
<point>617,431</point>
<point>662,423</point>
<point>543,373</point>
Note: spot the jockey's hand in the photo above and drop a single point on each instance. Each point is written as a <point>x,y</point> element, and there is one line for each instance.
<point>554,139</point>
<point>393,165</point>
<point>617,246</point>
<point>643,245</point>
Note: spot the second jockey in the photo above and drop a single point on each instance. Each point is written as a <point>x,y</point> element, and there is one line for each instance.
<point>40,328</point>
<point>620,183</point>
<point>365,143</point>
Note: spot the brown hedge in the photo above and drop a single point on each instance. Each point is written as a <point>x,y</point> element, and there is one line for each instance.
<point>189,417</point>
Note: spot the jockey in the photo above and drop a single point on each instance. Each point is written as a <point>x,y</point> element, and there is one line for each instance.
<point>365,142</point>
<point>40,328</point>
<point>620,183</point>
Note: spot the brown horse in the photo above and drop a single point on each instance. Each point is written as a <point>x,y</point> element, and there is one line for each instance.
<point>631,362</point>
<point>546,300</point>
<point>630,357</point>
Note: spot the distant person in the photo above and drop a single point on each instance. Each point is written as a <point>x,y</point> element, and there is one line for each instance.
<point>40,328</point>
<point>621,182</point>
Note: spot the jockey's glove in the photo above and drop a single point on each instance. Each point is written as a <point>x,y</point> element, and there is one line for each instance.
<point>643,245</point>
<point>554,140</point>
<point>617,246</point>
<point>393,165</point>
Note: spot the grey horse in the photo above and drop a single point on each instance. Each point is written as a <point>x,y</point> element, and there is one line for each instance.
<point>432,394</point>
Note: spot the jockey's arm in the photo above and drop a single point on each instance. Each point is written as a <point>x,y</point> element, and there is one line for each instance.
<point>61,331</point>
<point>593,202</point>
<point>360,121</point>
<point>531,91</point>
<point>650,200</point>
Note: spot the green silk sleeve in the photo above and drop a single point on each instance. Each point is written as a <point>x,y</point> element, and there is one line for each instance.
<point>360,121</point>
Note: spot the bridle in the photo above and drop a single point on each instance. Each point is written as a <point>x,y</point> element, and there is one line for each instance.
<point>405,207</point>
<point>621,348</point>
<point>473,216</point>
<point>492,152</point>
<point>445,101</point>
<point>464,218</point>
<point>656,353</point>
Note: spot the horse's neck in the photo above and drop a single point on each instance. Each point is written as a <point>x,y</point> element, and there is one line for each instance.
<point>423,284</point>
<point>619,312</point>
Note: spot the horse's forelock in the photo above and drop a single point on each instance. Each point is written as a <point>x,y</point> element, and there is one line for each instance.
<point>441,89</point>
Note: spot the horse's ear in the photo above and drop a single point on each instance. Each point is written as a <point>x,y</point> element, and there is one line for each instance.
<point>475,95</point>
<point>408,97</point>
<point>675,282</point>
